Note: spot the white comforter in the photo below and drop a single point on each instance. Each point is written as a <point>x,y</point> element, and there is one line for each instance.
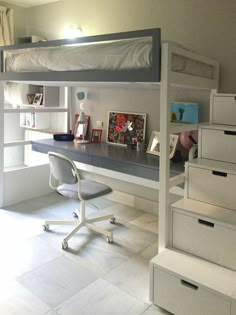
<point>118,55</point>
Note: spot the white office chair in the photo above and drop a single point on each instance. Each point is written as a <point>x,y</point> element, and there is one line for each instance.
<point>65,178</point>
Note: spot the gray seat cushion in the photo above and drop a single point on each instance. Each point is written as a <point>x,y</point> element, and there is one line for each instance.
<point>89,190</point>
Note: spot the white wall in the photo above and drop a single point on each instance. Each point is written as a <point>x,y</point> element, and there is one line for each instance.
<point>206,26</point>
<point>136,99</point>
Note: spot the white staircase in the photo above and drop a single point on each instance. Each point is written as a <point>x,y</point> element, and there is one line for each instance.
<point>196,275</point>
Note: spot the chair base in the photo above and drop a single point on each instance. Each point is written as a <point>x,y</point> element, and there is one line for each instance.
<point>79,224</point>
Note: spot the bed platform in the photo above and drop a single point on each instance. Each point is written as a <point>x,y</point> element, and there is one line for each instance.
<point>119,57</point>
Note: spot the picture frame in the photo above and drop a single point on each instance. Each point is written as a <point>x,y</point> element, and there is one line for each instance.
<point>80,130</point>
<point>154,144</point>
<point>125,128</point>
<point>38,99</point>
<point>96,136</point>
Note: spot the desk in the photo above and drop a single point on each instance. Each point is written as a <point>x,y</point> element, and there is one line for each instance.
<point>111,157</point>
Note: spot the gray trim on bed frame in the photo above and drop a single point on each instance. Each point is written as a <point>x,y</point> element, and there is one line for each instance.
<point>145,75</point>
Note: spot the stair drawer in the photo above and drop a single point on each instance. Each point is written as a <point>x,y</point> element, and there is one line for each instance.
<point>182,297</point>
<point>204,238</point>
<point>218,145</point>
<point>211,186</point>
<point>223,110</point>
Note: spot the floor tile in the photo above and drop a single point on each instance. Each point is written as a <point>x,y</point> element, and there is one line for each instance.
<point>154,310</point>
<point>133,238</point>
<point>98,255</point>
<point>147,222</point>
<point>150,251</point>
<point>15,299</point>
<point>21,257</point>
<point>132,277</point>
<point>123,213</point>
<point>52,312</point>
<point>57,280</point>
<point>102,298</point>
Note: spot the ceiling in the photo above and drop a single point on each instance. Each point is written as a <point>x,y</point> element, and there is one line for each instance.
<point>29,3</point>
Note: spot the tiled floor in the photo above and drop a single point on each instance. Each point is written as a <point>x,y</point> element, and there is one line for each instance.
<point>91,278</point>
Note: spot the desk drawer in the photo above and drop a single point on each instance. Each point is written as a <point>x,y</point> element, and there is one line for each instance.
<point>211,186</point>
<point>204,238</point>
<point>218,145</point>
<point>182,297</point>
<point>224,110</point>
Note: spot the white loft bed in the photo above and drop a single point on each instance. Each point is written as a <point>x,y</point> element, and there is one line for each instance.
<point>175,66</point>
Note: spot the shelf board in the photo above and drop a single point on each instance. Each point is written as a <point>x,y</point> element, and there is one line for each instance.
<point>16,143</point>
<point>36,110</point>
<point>178,128</point>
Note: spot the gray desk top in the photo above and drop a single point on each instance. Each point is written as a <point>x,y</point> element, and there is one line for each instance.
<point>113,157</point>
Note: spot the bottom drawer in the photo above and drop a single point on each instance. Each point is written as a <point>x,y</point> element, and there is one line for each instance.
<point>181,297</point>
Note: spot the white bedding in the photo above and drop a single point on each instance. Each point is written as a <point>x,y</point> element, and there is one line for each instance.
<point>116,55</point>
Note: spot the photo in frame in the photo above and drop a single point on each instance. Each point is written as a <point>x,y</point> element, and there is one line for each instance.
<point>80,130</point>
<point>96,136</point>
<point>38,99</point>
<point>154,144</point>
<point>125,128</point>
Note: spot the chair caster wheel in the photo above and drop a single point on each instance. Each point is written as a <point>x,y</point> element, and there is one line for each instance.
<point>64,245</point>
<point>113,220</point>
<point>45,227</point>
<point>75,215</point>
<point>109,239</point>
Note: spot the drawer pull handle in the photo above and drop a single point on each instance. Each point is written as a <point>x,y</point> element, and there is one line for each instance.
<point>207,223</point>
<point>217,173</point>
<point>230,133</point>
<point>189,285</point>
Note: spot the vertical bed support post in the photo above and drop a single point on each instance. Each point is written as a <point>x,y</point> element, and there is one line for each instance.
<point>1,143</point>
<point>164,172</point>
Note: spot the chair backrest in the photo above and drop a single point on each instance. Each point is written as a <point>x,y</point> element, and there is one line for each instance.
<point>62,169</point>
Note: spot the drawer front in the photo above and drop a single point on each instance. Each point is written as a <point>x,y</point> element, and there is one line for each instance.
<point>181,297</point>
<point>205,239</point>
<point>218,145</point>
<point>213,187</point>
<point>224,110</point>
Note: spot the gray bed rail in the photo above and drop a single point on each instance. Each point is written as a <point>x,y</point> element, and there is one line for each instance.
<point>133,75</point>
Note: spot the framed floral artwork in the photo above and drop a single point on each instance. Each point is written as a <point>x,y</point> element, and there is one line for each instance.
<point>125,128</point>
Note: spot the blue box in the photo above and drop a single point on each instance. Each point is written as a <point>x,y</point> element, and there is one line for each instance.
<point>183,112</point>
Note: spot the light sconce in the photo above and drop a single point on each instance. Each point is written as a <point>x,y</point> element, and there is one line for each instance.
<point>82,121</point>
<point>72,32</point>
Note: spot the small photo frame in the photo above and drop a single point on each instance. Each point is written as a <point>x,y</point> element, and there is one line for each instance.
<point>80,130</point>
<point>96,136</point>
<point>154,144</point>
<point>38,99</point>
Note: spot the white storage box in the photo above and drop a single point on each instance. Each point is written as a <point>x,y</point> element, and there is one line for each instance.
<point>204,236</point>
<point>185,285</point>
<point>217,142</point>
<point>212,182</point>
<point>223,109</point>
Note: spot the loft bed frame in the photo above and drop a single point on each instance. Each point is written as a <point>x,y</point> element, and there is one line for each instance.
<point>161,73</point>
<point>133,75</point>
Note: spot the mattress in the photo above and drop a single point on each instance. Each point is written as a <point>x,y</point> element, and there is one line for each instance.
<point>117,55</point>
